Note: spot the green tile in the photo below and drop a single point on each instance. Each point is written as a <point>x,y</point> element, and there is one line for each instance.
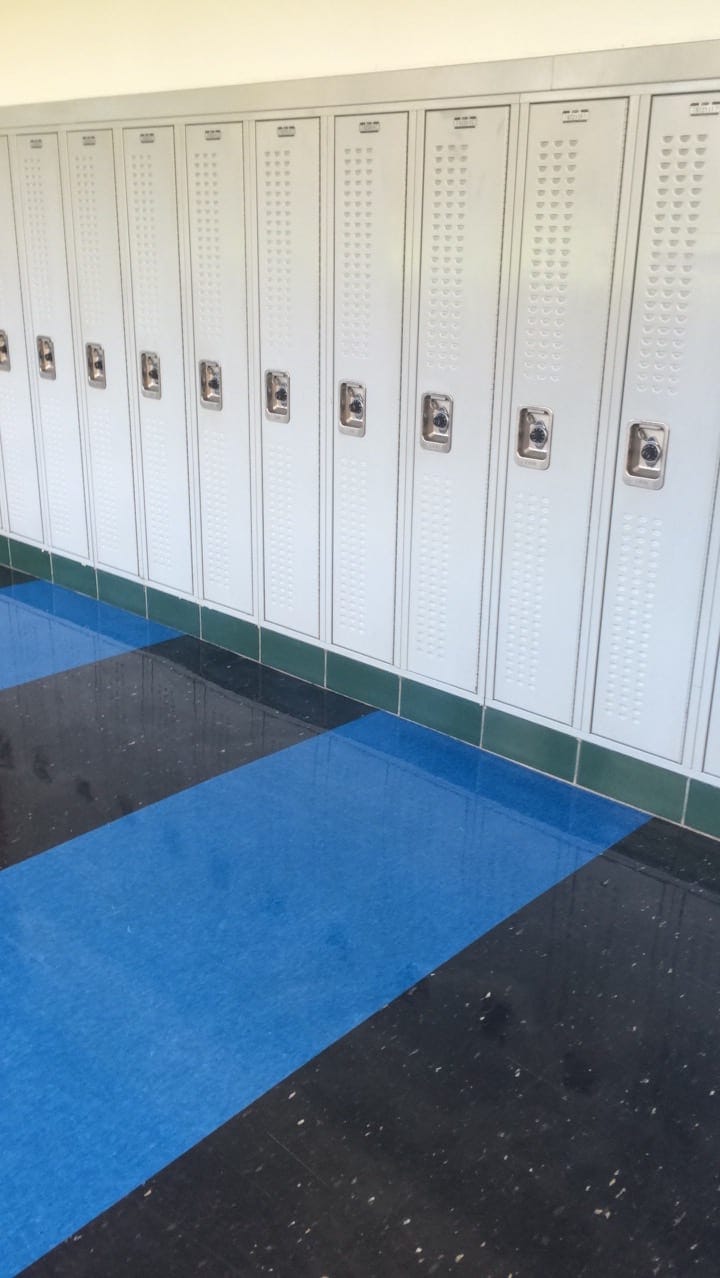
<point>292,655</point>
<point>181,614</point>
<point>539,747</point>
<point>30,559</point>
<point>703,808</point>
<point>4,551</point>
<point>443,711</point>
<point>230,632</point>
<point>643,785</point>
<point>129,595</point>
<point>80,577</point>
<point>373,687</point>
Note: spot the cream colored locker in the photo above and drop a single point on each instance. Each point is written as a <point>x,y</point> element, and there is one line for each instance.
<point>217,243</point>
<point>288,180</point>
<point>155,270</point>
<point>370,186</point>
<point>666,481</point>
<point>18,457</point>
<point>101,347</point>
<point>573,173</point>
<point>463,210</point>
<point>50,341</point>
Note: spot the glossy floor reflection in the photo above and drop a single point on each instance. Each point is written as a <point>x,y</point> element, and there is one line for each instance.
<point>492,997</point>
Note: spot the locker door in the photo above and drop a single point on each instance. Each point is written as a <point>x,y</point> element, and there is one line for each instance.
<point>18,459</point>
<point>217,243</point>
<point>153,233</point>
<point>51,340</point>
<point>660,520</point>
<point>288,178</point>
<point>572,189</point>
<point>711,762</point>
<point>463,208</point>
<point>370,181</point>
<point>101,346</point>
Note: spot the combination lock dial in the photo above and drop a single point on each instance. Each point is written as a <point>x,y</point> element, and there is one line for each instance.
<point>651,452</point>
<point>538,435</point>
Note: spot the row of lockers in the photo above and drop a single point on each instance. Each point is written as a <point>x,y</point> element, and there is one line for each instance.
<point>122,287</point>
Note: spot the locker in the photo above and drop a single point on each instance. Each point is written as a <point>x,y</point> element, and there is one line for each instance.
<point>668,445</point>
<point>50,341</point>
<point>288,182</point>
<point>370,184</point>
<point>20,510</point>
<point>155,272</point>
<point>463,210</point>
<point>573,174</point>
<point>101,347</point>
<point>217,245</point>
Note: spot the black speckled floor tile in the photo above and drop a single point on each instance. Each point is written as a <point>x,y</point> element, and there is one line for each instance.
<point>545,1105</point>
<point>86,746</point>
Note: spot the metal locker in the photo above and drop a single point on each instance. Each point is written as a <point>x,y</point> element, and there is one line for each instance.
<point>370,183</point>
<point>288,179</point>
<point>18,457</point>
<point>573,175</point>
<point>155,271</point>
<point>463,211</point>
<point>669,439</point>
<point>50,339</point>
<point>217,246</point>
<point>101,347</point>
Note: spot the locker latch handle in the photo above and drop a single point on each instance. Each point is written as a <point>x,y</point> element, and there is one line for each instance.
<point>46,357</point>
<point>647,446</point>
<point>95,360</point>
<point>437,418</point>
<point>277,395</point>
<point>4,351</point>
<point>210,383</point>
<point>353,405</point>
<point>150,382</point>
<point>534,437</point>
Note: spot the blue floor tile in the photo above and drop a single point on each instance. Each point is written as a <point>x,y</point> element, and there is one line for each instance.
<point>45,629</point>
<point>160,973</point>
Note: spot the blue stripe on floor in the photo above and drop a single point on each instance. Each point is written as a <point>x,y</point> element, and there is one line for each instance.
<point>45,629</point>
<point>159,974</point>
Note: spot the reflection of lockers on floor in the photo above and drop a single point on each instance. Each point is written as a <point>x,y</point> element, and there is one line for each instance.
<point>49,340</point>
<point>659,535</point>
<point>20,513</point>
<point>573,174</point>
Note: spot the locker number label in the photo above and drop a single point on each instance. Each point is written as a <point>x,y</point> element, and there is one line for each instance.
<point>575,115</point>
<point>705,108</point>
<point>286,131</point>
<point>465,122</point>
<point>369,126</point>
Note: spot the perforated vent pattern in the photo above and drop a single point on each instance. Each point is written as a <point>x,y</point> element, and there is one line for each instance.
<point>278,214</point>
<point>63,514</point>
<point>37,233</point>
<point>142,198</point>
<point>217,500</point>
<point>18,460</point>
<point>679,172</point>
<point>92,237</point>
<point>528,536</point>
<point>433,535</point>
<point>552,190</point>
<point>447,254</point>
<point>356,249</point>
<point>632,619</point>
<point>159,499</point>
<point>207,244</point>
<point>351,553</point>
<point>280,515</point>
<point>109,515</point>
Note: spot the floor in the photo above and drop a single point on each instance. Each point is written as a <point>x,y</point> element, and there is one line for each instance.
<point>292,987</point>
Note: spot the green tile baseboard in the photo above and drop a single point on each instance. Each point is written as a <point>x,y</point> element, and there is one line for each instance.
<point>537,746</point>
<point>643,785</point>
<point>647,786</point>
<point>443,711</point>
<point>373,687</point>
<point>294,656</point>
